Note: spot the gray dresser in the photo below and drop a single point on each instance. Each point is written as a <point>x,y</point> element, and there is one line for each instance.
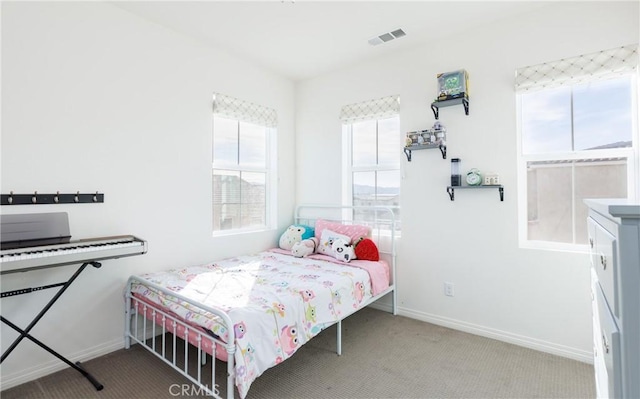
<point>614,241</point>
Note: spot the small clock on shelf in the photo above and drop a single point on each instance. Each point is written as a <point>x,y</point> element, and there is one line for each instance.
<point>474,178</point>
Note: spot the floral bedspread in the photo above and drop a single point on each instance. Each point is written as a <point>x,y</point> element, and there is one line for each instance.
<point>276,302</point>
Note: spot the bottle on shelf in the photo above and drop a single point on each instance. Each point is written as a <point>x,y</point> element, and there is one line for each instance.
<point>456,178</point>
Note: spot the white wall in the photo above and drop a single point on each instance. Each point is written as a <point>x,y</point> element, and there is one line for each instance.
<point>97,99</point>
<point>534,298</point>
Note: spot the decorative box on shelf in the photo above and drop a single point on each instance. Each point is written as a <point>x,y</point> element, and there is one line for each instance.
<point>453,85</point>
<point>426,139</point>
<point>491,179</point>
<point>453,89</point>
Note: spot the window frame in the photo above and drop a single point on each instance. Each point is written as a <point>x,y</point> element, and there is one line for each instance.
<point>269,170</point>
<point>630,153</point>
<point>348,169</point>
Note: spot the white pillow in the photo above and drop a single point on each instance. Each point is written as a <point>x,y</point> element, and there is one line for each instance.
<point>327,238</point>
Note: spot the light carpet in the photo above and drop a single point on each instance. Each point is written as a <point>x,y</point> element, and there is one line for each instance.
<point>383,356</point>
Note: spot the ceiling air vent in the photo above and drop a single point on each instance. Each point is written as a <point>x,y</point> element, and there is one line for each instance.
<point>385,37</point>
<point>398,33</point>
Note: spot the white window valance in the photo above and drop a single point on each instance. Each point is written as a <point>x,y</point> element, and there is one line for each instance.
<point>373,109</point>
<point>570,71</point>
<point>245,111</point>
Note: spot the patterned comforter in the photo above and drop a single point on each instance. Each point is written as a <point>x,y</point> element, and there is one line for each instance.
<point>276,302</point>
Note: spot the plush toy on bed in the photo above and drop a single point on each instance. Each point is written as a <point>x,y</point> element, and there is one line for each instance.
<point>366,249</point>
<point>304,247</point>
<point>295,233</point>
<point>342,250</point>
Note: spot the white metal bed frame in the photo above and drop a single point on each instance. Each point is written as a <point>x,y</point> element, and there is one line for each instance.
<point>149,335</point>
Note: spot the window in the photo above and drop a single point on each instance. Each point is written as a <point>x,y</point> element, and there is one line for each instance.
<point>372,153</point>
<point>578,139</point>
<point>242,166</point>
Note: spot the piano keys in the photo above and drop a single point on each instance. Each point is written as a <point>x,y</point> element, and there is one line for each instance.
<point>36,241</point>
<point>80,251</point>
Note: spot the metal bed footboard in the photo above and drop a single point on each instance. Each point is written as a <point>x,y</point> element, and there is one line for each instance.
<point>149,335</point>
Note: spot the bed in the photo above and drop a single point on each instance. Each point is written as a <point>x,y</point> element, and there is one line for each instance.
<point>253,312</point>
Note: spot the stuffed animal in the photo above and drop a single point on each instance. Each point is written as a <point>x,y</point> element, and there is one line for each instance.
<point>295,233</point>
<point>304,247</point>
<point>342,251</point>
<point>366,249</point>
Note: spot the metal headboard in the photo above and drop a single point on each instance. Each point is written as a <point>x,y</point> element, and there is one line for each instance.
<point>380,219</point>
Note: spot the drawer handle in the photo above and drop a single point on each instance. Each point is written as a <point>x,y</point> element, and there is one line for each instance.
<point>591,242</point>
<point>605,344</point>
<point>603,262</point>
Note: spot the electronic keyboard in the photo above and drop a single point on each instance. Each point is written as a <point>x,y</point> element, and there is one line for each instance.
<point>81,251</point>
<point>41,240</point>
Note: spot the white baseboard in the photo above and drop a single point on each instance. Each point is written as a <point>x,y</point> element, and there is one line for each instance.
<point>520,340</point>
<point>41,370</point>
<point>385,307</point>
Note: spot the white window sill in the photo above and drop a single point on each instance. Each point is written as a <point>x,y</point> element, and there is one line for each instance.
<point>248,230</point>
<point>555,246</point>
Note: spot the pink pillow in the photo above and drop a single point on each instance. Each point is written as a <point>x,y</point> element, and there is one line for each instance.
<point>354,231</point>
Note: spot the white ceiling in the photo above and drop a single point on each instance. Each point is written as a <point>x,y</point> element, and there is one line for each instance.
<point>304,39</point>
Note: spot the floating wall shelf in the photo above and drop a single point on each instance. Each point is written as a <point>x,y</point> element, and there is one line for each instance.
<point>442,148</point>
<point>450,190</point>
<point>436,105</point>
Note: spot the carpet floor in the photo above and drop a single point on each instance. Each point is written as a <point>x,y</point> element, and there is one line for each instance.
<point>383,356</point>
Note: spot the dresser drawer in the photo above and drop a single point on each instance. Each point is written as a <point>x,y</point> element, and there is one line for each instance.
<point>595,286</point>
<point>606,350</point>
<point>599,365</point>
<point>603,258</point>
<point>592,226</point>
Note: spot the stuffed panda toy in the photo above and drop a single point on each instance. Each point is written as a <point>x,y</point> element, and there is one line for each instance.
<point>342,250</point>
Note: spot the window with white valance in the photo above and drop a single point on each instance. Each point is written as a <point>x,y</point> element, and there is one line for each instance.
<point>371,154</point>
<point>575,70</point>
<point>577,138</point>
<point>233,108</point>
<point>243,169</point>
<point>373,109</point>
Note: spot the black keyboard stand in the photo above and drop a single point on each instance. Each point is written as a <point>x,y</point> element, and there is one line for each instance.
<point>25,333</point>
